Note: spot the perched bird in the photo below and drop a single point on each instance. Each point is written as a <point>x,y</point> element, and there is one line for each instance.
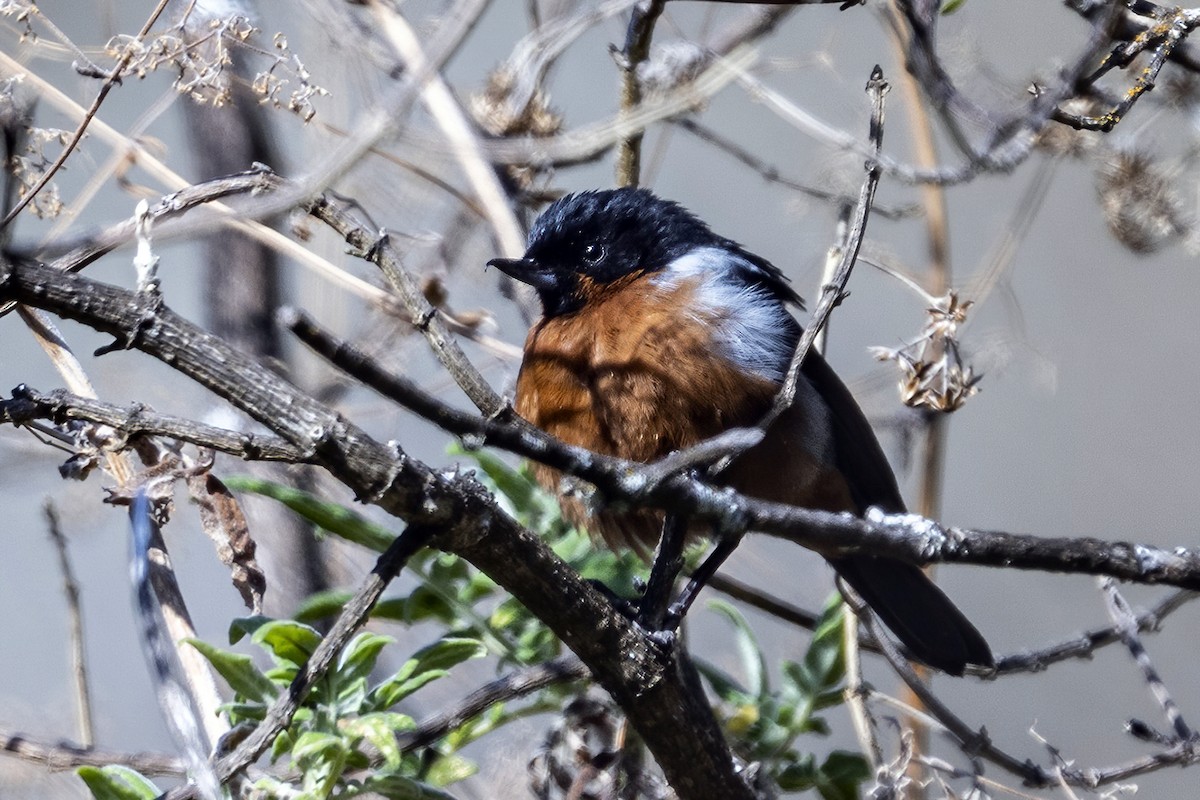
<point>657,334</point>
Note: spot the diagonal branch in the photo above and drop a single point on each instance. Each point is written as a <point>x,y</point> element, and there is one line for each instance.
<point>653,684</point>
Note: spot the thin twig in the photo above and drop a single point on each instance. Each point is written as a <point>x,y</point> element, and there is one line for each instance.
<point>253,181</point>
<point>83,698</point>
<point>771,174</point>
<point>377,248</point>
<point>855,694</point>
<point>114,77</point>
<point>65,755</point>
<point>977,742</point>
<point>974,743</point>
<point>509,687</point>
<point>833,292</point>
<point>1011,140</point>
<point>588,142</point>
<point>1169,29</point>
<point>1126,623</point>
<point>636,50</point>
<point>664,569</point>
<point>166,671</point>
<point>1085,645</point>
<point>932,457</point>
<point>137,420</point>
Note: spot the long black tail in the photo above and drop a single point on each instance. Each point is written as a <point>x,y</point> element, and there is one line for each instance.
<point>915,609</point>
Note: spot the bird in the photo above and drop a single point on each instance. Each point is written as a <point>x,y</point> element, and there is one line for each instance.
<point>656,334</point>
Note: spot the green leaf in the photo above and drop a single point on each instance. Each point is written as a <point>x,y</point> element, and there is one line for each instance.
<point>518,492</point>
<point>393,608</point>
<point>507,614</point>
<point>239,672</point>
<point>817,725</point>
<point>239,712</point>
<point>426,665</point>
<point>349,696</point>
<point>846,765</point>
<point>327,605</point>
<point>359,657</point>
<point>315,745</point>
<point>241,627</point>
<point>424,603</point>
<point>338,520</point>
<point>824,658</point>
<point>950,6</point>
<point>322,757</point>
<point>448,652</point>
<point>450,769</point>
<point>834,697</point>
<point>799,776</point>
<point>751,654</point>
<point>724,684</point>
<point>824,665</point>
<point>282,745</point>
<point>396,787</point>
<point>117,783</point>
<point>292,643</point>
<point>392,691</point>
<point>839,777</point>
<point>322,605</point>
<point>380,730</point>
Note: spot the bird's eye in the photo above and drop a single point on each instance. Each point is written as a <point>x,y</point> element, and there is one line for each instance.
<point>593,253</point>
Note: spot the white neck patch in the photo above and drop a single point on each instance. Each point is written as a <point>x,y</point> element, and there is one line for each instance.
<point>753,328</point>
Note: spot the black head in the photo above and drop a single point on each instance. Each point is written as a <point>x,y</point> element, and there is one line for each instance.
<point>593,238</point>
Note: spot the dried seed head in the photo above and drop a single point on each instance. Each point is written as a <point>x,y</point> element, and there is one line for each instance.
<point>1140,203</point>
<point>932,374</point>
<point>492,110</point>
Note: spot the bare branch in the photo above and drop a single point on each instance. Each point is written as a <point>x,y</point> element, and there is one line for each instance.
<point>1084,645</point>
<point>509,687</point>
<point>375,247</point>
<point>28,404</point>
<point>833,292</point>
<point>636,50</point>
<point>64,755</point>
<point>906,537</point>
<point>1126,624</point>
<point>83,698</point>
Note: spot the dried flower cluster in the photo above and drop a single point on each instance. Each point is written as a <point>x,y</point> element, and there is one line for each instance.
<point>203,50</point>
<point>269,86</point>
<point>24,150</point>
<point>28,162</point>
<point>200,59</point>
<point>933,373</point>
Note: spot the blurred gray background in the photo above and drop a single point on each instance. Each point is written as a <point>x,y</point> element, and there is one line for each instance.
<point>1084,424</point>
